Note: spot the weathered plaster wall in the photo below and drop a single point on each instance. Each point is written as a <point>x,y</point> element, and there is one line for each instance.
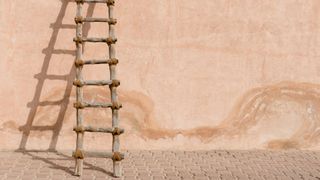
<point>194,74</point>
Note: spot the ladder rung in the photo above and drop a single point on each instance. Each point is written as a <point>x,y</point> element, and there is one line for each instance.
<point>80,83</point>
<point>79,63</point>
<point>63,51</point>
<point>81,105</point>
<point>80,154</point>
<point>80,19</point>
<point>94,105</point>
<point>109,2</point>
<point>114,131</point>
<point>108,40</point>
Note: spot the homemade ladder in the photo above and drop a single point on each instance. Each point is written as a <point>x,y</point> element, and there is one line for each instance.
<point>113,83</point>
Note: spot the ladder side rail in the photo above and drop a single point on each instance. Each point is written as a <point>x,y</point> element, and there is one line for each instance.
<point>79,94</point>
<point>113,90</point>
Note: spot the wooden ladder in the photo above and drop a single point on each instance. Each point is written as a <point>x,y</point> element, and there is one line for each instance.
<point>113,83</point>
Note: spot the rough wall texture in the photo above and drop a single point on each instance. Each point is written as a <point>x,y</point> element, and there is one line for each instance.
<point>224,74</point>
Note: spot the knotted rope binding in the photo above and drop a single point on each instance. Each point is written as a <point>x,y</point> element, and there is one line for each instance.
<point>116,131</point>
<point>116,156</point>
<point>79,63</point>
<point>113,61</point>
<point>80,1</point>
<point>79,129</point>
<point>111,40</point>
<point>112,21</point>
<point>110,2</point>
<point>78,19</point>
<point>78,105</point>
<point>78,40</point>
<point>115,83</point>
<point>116,105</point>
<point>78,154</point>
<point>77,83</point>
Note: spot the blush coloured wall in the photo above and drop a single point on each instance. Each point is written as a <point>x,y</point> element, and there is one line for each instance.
<point>210,74</point>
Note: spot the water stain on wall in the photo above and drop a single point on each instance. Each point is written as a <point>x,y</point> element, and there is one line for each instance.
<point>255,107</point>
<point>257,103</point>
<point>284,116</point>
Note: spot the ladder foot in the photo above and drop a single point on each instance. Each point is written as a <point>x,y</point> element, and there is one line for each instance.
<point>79,167</point>
<point>116,169</point>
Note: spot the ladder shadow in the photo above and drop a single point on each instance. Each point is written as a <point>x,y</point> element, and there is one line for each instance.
<point>42,76</point>
<point>61,157</point>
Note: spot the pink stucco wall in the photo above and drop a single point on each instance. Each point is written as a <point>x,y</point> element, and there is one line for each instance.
<point>210,74</point>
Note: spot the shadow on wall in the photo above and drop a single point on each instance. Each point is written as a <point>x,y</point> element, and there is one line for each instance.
<point>36,104</point>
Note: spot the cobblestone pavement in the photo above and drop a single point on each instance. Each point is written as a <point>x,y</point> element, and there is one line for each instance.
<point>167,165</point>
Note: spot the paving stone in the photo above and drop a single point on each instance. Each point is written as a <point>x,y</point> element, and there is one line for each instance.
<point>175,165</point>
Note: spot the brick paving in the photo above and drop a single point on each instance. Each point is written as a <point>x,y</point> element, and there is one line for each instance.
<point>173,165</point>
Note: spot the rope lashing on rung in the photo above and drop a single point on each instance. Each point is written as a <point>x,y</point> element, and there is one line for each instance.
<point>110,2</point>
<point>112,21</point>
<point>116,105</point>
<point>79,63</point>
<point>79,129</point>
<point>115,83</point>
<point>113,61</point>
<point>78,19</point>
<point>111,40</point>
<point>78,83</point>
<point>78,105</point>
<point>117,156</point>
<point>78,154</point>
<point>79,1</point>
<point>78,40</point>
<point>116,131</point>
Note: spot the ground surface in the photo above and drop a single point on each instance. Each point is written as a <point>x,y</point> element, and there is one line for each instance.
<point>168,165</point>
